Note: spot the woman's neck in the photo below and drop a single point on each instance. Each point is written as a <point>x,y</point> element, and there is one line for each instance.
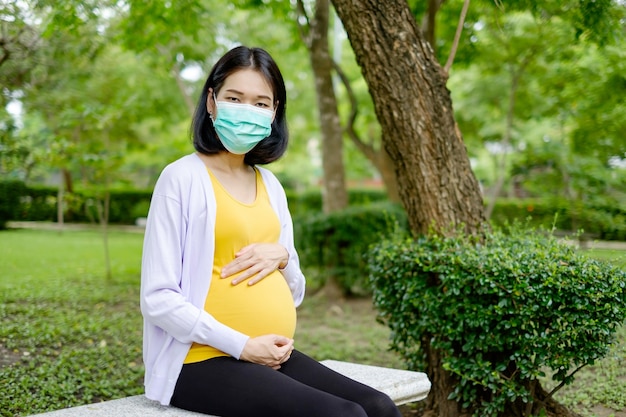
<point>225,162</point>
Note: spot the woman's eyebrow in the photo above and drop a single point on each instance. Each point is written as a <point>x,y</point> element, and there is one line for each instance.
<point>237,92</point>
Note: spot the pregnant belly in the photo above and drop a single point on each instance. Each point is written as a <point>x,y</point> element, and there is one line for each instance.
<point>263,308</point>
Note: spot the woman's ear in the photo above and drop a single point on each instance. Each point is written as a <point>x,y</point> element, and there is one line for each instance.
<point>275,110</point>
<point>210,102</point>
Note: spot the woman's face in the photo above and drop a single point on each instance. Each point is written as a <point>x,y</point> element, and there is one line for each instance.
<point>245,86</point>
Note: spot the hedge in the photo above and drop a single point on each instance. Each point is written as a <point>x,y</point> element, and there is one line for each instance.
<point>311,200</point>
<point>38,203</point>
<point>10,192</point>
<point>336,243</point>
<point>597,222</point>
<point>501,311</point>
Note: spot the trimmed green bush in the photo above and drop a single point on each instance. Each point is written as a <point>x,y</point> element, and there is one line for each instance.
<point>336,243</point>
<point>500,312</point>
<point>125,205</point>
<point>311,200</point>
<point>600,222</point>
<point>40,204</point>
<point>10,194</point>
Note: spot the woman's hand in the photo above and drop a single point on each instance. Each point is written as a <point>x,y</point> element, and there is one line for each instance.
<point>257,260</point>
<point>269,350</point>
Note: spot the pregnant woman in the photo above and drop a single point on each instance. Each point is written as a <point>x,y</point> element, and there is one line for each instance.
<point>221,279</point>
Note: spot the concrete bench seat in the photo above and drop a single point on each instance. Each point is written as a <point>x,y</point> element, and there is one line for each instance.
<point>402,386</point>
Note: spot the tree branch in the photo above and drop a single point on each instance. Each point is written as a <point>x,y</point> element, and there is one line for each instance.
<point>6,54</point>
<point>13,45</point>
<point>191,106</point>
<point>175,71</point>
<point>562,384</point>
<point>303,29</point>
<point>457,37</point>
<point>367,149</point>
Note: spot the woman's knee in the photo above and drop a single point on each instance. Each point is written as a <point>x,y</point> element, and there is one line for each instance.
<point>351,409</point>
<point>380,406</point>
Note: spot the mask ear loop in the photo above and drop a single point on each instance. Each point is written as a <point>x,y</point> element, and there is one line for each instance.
<point>275,110</point>
<point>215,105</point>
<point>208,105</point>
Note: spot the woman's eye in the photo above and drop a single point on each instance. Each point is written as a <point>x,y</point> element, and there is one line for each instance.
<point>262,105</point>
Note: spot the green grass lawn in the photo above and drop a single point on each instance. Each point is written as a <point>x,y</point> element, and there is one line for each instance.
<point>613,256</point>
<point>69,336</point>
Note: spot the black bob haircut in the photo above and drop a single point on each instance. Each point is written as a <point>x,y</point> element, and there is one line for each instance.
<point>206,141</point>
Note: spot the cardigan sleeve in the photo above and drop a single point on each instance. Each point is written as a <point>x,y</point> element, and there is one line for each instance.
<point>163,301</point>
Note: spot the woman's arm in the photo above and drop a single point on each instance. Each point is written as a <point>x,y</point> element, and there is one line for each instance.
<point>162,299</point>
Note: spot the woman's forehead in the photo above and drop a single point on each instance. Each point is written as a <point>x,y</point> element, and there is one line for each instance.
<point>248,82</point>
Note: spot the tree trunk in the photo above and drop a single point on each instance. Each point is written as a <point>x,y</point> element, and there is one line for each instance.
<point>386,167</point>
<point>67,179</point>
<point>102,208</point>
<point>335,195</point>
<point>408,86</point>
<point>442,383</point>
<point>60,203</point>
<point>413,106</point>
<point>429,22</point>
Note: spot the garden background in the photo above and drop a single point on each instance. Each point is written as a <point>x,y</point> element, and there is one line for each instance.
<point>96,100</point>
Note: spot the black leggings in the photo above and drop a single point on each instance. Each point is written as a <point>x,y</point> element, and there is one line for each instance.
<point>302,387</point>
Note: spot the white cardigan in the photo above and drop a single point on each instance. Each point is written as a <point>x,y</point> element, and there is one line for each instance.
<point>176,271</point>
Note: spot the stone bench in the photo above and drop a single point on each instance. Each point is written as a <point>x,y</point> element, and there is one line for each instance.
<point>402,386</point>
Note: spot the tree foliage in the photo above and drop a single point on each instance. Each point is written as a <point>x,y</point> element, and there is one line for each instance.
<point>570,93</point>
<point>50,49</point>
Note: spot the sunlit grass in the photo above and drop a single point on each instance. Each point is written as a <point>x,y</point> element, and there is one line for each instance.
<point>612,256</point>
<point>601,386</point>
<point>67,334</point>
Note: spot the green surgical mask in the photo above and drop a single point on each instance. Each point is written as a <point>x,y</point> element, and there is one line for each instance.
<point>240,127</point>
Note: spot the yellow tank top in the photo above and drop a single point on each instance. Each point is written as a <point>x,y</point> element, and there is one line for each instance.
<point>263,308</point>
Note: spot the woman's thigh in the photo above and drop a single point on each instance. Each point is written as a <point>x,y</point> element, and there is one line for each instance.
<point>231,388</point>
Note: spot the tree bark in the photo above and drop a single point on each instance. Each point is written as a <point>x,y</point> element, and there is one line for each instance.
<point>60,203</point>
<point>442,383</point>
<point>334,193</point>
<point>437,186</point>
<point>386,167</point>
